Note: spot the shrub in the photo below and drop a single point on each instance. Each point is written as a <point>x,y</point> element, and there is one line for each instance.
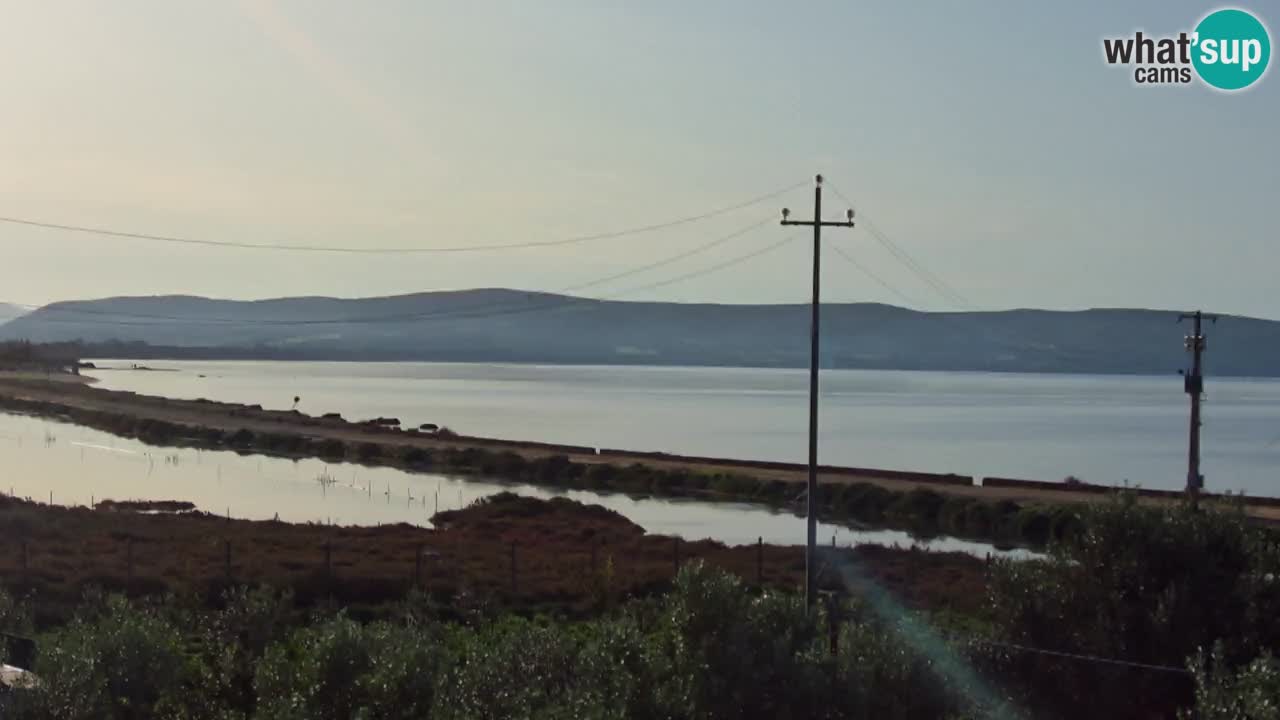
<point>720,651</point>
<point>1249,692</point>
<point>555,470</point>
<point>316,673</point>
<point>241,438</point>
<point>15,617</point>
<point>1144,584</point>
<point>866,501</point>
<point>415,457</point>
<point>952,517</point>
<point>234,639</point>
<point>733,484</point>
<point>1033,524</point>
<point>980,519</point>
<point>331,449</point>
<point>920,506</point>
<point>511,668</point>
<point>124,663</point>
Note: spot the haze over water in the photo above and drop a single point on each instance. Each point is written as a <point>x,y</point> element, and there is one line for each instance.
<point>1102,429</point>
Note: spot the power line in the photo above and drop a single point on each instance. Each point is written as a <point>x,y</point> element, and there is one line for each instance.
<point>480,312</point>
<point>1083,658</point>
<point>707,271</point>
<point>674,258</point>
<point>106,232</point>
<point>397,316</point>
<point>937,283</point>
<point>879,280</point>
<point>932,280</point>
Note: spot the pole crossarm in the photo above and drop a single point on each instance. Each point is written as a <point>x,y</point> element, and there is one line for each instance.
<point>822,223</point>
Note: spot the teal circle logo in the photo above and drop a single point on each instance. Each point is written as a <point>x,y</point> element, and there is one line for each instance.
<point>1232,49</point>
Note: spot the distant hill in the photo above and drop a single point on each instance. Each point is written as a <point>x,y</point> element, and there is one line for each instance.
<point>10,312</point>
<point>514,326</point>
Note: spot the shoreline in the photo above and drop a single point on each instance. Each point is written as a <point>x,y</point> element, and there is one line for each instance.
<point>182,356</point>
<point>1007,510</point>
<point>49,377</point>
<point>799,369</point>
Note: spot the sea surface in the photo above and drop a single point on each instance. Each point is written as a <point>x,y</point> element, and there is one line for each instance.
<point>1102,429</point>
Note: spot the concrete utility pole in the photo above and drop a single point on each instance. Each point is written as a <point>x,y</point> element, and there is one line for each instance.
<point>1193,383</point>
<point>811,498</point>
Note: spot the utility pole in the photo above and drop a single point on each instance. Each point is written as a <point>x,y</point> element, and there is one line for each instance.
<point>1193,383</point>
<point>811,496</point>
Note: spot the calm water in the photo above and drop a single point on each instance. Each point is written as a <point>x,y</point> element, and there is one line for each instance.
<point>1103,429</point>
<point>75,465</point>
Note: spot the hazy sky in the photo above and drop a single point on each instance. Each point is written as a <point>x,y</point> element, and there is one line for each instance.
<point>989,139</point>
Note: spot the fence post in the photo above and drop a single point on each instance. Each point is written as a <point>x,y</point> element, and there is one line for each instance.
<point>760,561</point>
<point>513,570</point>
<point>417,568</point>
<point>24,559</point>
<point>675,557</point>
<point>227,559</point>
<point>833,624</point>
<point>595,555</point>
<point>128,559</point>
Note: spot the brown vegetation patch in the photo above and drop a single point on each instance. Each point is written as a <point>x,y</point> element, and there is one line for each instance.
<point>567,556</point>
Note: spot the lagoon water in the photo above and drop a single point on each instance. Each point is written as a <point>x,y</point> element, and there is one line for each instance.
<point>1102,429</point>
<point>46,460</point>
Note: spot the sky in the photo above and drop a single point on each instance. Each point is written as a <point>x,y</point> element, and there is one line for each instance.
<point>988,140</point>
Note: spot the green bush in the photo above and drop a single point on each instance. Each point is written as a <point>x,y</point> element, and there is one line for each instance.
<point>722,652</point>
<point>234,639</point>
<point>954,513</point>
<point>331,449</point>
<point>980,519</point>
<point>1251,692</point>
<point>415,457</point>
<point>1033,524</point>
<point>740,486</point>
<point>368,451</point>
<point>15,617</point>
<point>511,668</point>
<point>241,438</point>
<point>867,502</point>
<point>1146,584</point>
<point>601,475</point>
<point>122,662</point>
<point>920,506</point>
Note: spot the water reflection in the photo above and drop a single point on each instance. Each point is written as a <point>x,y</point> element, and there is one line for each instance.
<point>75,465</point>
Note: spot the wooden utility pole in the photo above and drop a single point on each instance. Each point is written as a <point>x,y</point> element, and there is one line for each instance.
<point>1193,383</point>
<point>811,499</point>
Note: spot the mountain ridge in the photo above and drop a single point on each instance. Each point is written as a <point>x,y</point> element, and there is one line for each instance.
<point>498,324</point>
